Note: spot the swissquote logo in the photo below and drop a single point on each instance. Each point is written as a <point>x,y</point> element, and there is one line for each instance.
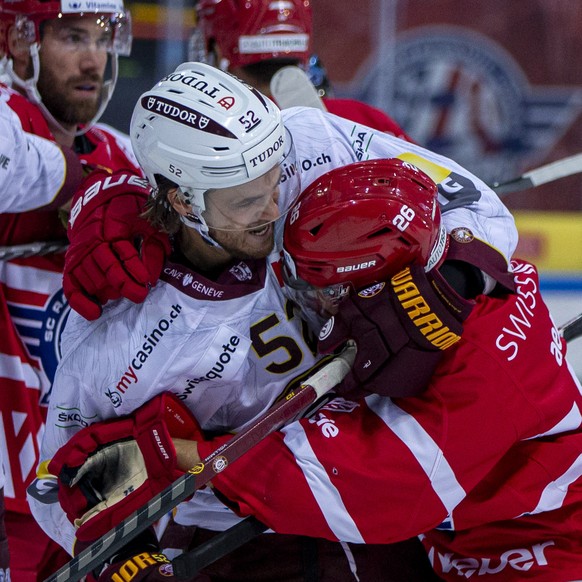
<point>228,351</point>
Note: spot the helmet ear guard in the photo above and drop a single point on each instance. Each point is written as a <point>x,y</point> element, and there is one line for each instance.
<point>362,224</point>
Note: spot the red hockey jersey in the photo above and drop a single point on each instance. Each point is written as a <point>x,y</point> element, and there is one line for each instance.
<point>33,308</point>
<point>487,462</point>
<point>365,114</point>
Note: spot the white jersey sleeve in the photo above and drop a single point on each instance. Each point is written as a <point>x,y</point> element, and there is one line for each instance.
<point>33,170</point>
<point>324,141</point>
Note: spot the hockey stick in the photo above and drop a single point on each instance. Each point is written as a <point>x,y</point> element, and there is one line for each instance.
<point>572,329</point>
<point>32,249</point>
<point>291,87</point>
<point>186,485</point>
<point>190,563</point>
<point>295,89</point>
<point>544,174</point>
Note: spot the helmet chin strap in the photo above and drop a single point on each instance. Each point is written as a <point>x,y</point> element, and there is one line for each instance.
<point>194,219</point>
<point>29,86</point>
<point>197,223</point>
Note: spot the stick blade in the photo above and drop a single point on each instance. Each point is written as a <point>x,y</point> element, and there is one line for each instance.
<point>291,87</point>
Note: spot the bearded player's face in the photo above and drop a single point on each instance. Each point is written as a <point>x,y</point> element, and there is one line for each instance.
<point>73,57</point>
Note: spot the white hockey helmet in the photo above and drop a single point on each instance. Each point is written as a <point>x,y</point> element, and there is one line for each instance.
<point>203,129</point>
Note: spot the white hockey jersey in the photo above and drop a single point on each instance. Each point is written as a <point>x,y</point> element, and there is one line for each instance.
<point>28,164</point>
<point>229,347</point>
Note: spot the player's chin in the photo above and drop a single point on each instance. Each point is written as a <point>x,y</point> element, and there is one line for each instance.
<point>84,109</point>
<point>259,243</point>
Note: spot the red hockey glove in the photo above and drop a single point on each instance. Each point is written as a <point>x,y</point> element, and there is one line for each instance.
<point>401,329</point>
<point>111,468</point>
<point>113,252</point>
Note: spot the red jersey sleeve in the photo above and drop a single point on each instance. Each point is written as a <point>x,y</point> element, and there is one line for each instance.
<point>383,470</point>
<point>365,114</point>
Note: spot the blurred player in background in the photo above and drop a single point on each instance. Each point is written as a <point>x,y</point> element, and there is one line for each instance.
<point>255,39</point>
<point>54,58</point>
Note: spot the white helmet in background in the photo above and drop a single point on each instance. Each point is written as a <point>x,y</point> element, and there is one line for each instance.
<point>203,129</point>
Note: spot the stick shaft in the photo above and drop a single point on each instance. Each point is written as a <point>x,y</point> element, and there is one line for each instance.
<point>186,485</point>
<point>187,565</point>
<point>31,249</point>
<point>572,329</point>
<point>551,172</point>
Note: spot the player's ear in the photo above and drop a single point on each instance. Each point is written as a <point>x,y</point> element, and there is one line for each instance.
<point>176,200</point>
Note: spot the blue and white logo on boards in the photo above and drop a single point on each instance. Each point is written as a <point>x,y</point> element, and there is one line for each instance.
<point>40,329</point>
<point>459,93</point>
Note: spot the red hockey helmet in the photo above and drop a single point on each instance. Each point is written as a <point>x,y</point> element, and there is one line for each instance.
<point>361,224</point>
<point>250,31</point>
<point>28,15</point>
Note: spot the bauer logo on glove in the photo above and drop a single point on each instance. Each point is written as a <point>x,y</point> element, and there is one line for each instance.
<point>114,251</point>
